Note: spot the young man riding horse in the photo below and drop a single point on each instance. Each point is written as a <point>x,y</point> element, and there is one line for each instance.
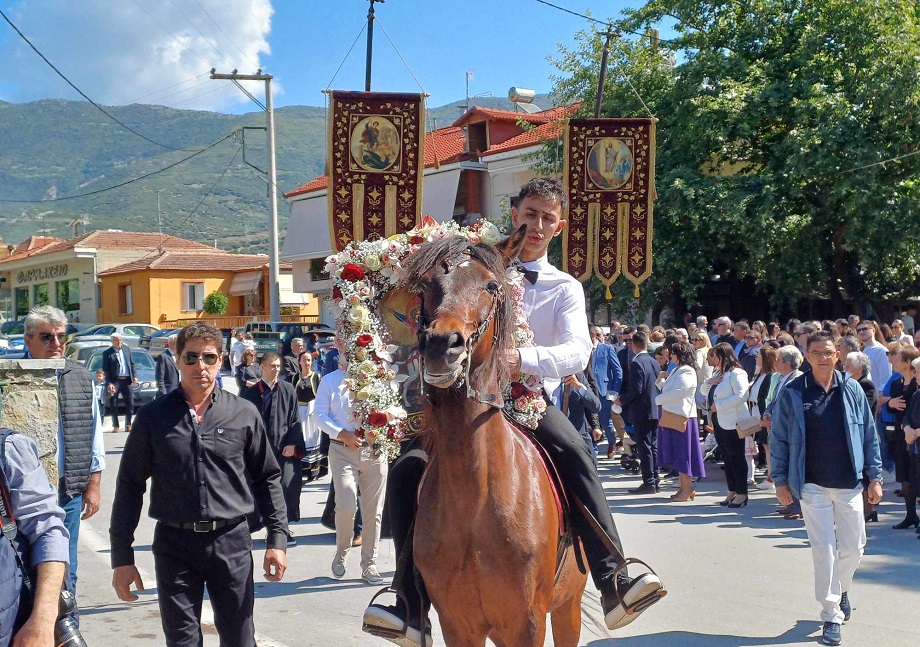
<point>555,305</point>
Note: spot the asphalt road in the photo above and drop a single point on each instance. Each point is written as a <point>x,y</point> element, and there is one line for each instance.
<point>735,577</point>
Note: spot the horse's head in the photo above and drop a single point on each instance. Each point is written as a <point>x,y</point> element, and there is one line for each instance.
<point>465,315</point>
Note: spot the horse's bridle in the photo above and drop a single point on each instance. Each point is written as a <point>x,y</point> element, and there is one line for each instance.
<point>491,399</point>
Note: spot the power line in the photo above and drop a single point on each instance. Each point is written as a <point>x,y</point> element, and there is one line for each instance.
<point>347,54</point>
<point>79,91</point>
<point>169,87</point>
<point>200,94</point>
<point>131,181</point>
<point>206,195</point>
<point>214,22</point>
<point>399,54</point>
<point>601,22</point>
<point>178,40</point>
<point>206,39</point>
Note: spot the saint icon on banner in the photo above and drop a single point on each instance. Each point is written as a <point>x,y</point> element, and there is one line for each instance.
<point>376,144</point>
<point>610,164</point>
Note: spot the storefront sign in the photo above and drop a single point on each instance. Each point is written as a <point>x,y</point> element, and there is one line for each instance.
<point>42,273</point>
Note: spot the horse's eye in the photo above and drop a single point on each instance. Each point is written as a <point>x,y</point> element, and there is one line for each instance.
<point>492,287</point>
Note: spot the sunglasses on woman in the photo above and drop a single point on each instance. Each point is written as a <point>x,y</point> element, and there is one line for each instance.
<point>191,358</point>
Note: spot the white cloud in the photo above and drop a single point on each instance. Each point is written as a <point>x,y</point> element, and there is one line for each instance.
<point>130,51</point>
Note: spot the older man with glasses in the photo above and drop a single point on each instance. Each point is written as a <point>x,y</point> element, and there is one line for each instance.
<point>210,464</point>
<point>80,453</point>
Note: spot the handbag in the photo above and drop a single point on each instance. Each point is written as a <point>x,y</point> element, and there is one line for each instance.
<point>748,426</point>
<point>673,421</point>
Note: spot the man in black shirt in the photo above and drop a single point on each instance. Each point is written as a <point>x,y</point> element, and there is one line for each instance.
<point>209,461</point>
<point>822,438</point>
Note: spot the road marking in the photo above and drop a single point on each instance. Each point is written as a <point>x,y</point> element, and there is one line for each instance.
<point>97,543</point>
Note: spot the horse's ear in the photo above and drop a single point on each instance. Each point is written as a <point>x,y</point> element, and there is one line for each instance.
<point>511,246</point>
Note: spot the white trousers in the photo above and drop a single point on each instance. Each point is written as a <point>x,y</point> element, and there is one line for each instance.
<point>836,527</point>
<point>351,468</point>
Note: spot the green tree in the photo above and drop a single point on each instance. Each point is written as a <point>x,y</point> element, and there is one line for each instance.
<point>778,119</point>
<point>215,303</point>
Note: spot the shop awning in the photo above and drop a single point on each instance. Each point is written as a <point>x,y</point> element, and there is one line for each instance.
<point>439,193</point>
<point>287,295</point>
<point>245,283</point>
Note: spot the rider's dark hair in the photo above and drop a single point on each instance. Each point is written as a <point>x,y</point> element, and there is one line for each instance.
<point>544,187</point>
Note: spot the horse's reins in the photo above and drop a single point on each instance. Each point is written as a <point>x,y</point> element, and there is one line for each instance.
<point>491,399</point>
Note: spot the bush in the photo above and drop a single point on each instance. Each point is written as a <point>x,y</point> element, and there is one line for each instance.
<point>215,303</point>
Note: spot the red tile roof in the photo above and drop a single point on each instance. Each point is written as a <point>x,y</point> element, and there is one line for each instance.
<point>495,114</point>
<point>539,134</point>
<point>182,261</point>
<point>124,240</point>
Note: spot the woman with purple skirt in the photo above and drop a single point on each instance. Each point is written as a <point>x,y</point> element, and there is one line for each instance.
<point>680,448</point>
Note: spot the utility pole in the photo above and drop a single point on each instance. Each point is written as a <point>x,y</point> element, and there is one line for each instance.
<point>159,223</point>
<point>274,275</point>
<point>603,75</point>
<point>370,45</point>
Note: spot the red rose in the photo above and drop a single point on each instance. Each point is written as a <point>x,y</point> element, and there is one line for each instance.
<point>364,340</point>
<point>377,419</point>
<point>359,433</point>
<point>390,433</point>
<point>517,390</point>
<point>416,240</point>
<point>352,272</point>
<point>336,293</point>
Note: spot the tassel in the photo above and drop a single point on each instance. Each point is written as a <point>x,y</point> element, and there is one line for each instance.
<point>636,293</point>
<point>609,296</point>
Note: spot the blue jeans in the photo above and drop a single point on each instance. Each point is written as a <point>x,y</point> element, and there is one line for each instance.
<point>72,506</point>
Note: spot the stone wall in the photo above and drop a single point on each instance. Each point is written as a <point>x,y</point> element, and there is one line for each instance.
<point>30,404</point>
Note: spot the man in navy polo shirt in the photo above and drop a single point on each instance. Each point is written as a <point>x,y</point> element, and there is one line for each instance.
<point>822,437</point>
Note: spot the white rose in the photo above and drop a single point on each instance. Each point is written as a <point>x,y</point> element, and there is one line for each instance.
<point>489,234</point>
<point>372,263</point>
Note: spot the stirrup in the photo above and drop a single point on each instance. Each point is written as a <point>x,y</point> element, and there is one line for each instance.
<point>643,603</point>
<point>384,632</point>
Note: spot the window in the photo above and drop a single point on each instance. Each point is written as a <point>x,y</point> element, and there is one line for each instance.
<point>40,294</point>
<point>67,294</point>
<point>125,300</point>
<point>192,296</point>
<point>22,302</point>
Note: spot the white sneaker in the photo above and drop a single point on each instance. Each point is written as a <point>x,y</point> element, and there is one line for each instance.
<point>765,485</point>
<point>371,576</point>
<point>338,566</point>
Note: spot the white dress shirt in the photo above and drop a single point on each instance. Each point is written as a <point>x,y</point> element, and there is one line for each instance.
<point>879,367</point>
<point>332,405</point>
<point>555,307</point>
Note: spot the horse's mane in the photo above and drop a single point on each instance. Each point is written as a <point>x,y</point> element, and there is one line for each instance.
<point>433,254</point>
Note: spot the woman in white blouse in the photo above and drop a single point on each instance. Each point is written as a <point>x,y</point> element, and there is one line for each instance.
<point>727,394</point>
<point>680,448</point>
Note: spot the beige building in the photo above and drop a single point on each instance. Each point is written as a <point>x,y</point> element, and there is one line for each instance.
<point>64,273</point>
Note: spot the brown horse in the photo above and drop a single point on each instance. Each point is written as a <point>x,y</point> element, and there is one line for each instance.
<point>487,528</point>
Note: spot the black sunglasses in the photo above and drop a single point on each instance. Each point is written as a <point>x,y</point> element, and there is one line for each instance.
<point>192,358</point>
<point>47,337</point>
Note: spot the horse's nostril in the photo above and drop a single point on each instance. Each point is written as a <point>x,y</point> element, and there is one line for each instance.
<point>456,343</point>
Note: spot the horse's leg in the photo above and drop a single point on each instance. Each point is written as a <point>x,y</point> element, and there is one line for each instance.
<point>461,634</point>
<point>566,622</point>
<point>530,631</point>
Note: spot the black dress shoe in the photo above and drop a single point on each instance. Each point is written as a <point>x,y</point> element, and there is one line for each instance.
<point>872,517</point>
<point>645,488</point>
<point>907,523</point>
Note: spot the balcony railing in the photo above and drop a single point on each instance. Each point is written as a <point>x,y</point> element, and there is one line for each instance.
<point>236,321</point>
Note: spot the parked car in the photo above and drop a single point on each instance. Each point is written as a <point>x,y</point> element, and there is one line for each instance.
<point>155,343</point>
<point>80,351</point>
<point>146,388</point>
<point>12,344</point>
<point>286,330</point>
<point>13,327</point>
<point>130,333</point>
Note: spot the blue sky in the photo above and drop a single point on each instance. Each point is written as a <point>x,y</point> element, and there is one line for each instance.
<point>159,51</point>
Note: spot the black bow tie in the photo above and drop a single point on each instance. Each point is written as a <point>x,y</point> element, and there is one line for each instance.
<point>530,275</point>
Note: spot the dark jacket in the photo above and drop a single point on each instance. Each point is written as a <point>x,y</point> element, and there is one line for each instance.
<point>76,392</point>
<point>282,424</point>
<point>639,399</point>
<point>167,373</point>
<point>290,367</point>
<point>110,364</point>
<point>581,410</point>
<point>869,389</point>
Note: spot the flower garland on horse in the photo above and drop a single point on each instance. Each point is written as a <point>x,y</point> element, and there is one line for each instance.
<point>362,275</point>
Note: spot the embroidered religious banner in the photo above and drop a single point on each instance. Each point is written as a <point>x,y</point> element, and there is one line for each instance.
<point>376,162</point>
<point>609,176</point>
